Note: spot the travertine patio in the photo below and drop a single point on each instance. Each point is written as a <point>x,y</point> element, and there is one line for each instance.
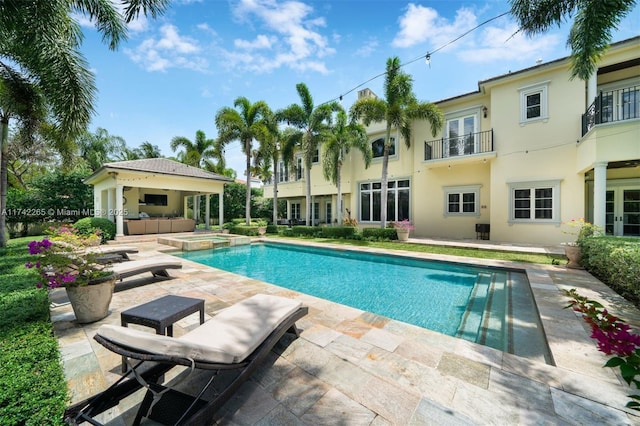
<point>351,367</point>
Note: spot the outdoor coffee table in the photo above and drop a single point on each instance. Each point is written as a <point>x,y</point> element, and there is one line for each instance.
<point>162,313</point>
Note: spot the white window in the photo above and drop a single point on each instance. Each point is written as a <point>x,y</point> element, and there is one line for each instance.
<point>299,168</point>
<point>533,103</point>
<point>460,135</point>
<point>316,156</point>
<point>377,147</point>
<point>398,196</point>
<point>462,200</point>
<point>295,210</point>
<point>535,202</point>
<point>283,172</point>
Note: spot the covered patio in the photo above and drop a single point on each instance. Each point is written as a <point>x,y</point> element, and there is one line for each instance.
<point>151,195</point>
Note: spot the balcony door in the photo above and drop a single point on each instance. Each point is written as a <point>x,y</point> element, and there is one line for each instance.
<point>623,211</point>
<point>461,138</point>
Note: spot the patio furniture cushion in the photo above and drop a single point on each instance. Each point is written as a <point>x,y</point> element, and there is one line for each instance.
<point>228,337</point>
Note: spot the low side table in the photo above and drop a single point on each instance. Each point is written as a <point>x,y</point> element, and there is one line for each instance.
<point>162,313</point>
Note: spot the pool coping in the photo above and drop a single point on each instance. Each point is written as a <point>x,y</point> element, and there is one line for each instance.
<point>413,373</point>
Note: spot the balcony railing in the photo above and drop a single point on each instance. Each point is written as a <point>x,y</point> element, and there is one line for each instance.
<point>611,106</point>
<point>459,146</point>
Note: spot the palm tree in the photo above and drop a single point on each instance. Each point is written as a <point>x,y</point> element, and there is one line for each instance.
<point>148,150</point>
<point>590,33</point>
<point>19,98</point>
<point>272,143</point>
<point>101,147</point>
<point>40,40</point>
<point>399,109</point>
<point>244,125</point>
<point>343,137</point>
<point>194,153</point>
<point>313,128</point>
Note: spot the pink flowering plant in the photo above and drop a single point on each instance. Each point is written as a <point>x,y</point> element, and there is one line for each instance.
<point>614,337</point>
<point>63,265</point>
<point>403,225</point>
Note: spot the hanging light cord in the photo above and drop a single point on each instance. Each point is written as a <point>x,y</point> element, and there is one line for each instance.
<point>426,55</point>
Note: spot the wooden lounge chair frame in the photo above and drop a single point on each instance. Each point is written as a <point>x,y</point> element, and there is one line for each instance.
<point>157,269</point>
<point>176,407</point>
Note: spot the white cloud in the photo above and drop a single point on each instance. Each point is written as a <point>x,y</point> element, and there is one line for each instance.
<point>169,50</point>
<point>261,42</point>
<point>295,41</point>
<point>367,48</point>
<point>496,43</point>
<point>423,25</point>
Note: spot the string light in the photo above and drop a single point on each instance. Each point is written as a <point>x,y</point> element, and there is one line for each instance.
<point>426,57</point>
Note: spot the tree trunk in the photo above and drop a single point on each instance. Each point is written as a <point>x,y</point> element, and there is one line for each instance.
<point>384,179</point>
<point>4,140</point>
<point>247,206</point>
<point>307,176</point>
<point>339,209</point>
<point>275,190</point>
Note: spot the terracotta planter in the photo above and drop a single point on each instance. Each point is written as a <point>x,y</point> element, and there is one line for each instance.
<point>262,230</point>
<point>90,303</point>
<point>403,234</point>
<point>574,254</point>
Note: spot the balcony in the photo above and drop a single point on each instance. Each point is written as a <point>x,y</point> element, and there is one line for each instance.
<point>615,105</point>
<point>459,146</point>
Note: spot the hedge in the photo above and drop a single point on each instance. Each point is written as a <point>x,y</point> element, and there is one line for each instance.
<point>615,262</point>
<point>379,233</point>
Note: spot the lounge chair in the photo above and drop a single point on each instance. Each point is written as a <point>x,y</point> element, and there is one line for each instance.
<point>136,267</point>
<point>237,338</point>
<point>123,251</point>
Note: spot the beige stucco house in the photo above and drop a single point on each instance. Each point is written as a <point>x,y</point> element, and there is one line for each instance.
<point>525,153</point>
<point>150,195</point>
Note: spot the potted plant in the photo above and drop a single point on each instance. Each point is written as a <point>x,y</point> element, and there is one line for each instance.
<point>262,227</point>
<point>403,228</point>
<point>88,283</point>
<point>580,229</point>
<point>226,227</point>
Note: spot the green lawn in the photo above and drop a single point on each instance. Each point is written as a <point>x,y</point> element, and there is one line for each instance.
<point>32,385</point>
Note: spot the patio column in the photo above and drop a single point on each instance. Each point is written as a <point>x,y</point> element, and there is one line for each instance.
<point>288,209</point>
<point>184,207</point>
<point>119,210</point>
<point>221,209</point>
<point>111,203</point>
<point>600,194</point>
<point>207,211</point>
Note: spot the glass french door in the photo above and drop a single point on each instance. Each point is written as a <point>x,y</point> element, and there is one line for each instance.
<point>623,212</point>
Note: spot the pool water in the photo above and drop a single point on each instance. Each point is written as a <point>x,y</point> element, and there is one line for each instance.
<point>458,300</point>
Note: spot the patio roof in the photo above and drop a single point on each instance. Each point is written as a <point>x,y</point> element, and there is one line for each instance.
<point>155,166</point>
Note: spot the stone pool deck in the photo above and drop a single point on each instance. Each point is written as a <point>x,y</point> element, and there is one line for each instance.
<point>351,367</point>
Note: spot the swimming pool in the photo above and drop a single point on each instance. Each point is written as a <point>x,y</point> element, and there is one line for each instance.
<point>465,301</point>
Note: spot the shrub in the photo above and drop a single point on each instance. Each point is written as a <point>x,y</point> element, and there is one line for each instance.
<point>345,232</point>
<point>614,261</point>
<point>272,229</point>
<point>88,225</point>
<point>250,231</point>
<point>305,231</point>
<point>379,233</point>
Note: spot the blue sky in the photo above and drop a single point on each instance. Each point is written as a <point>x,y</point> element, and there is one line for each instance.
<point>174,73</point>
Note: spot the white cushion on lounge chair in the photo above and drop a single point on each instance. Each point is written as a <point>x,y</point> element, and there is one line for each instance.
<point>227,338</point>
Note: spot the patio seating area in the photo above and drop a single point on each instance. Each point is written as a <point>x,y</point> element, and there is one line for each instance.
<point>359,368</point>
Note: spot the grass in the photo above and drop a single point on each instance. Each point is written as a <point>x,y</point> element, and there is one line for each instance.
<point>545,259</point>
<point>33,390</point>
<point>32,386</point>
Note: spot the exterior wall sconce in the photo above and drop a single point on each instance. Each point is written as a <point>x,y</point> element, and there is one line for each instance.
<point>484,111</point>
